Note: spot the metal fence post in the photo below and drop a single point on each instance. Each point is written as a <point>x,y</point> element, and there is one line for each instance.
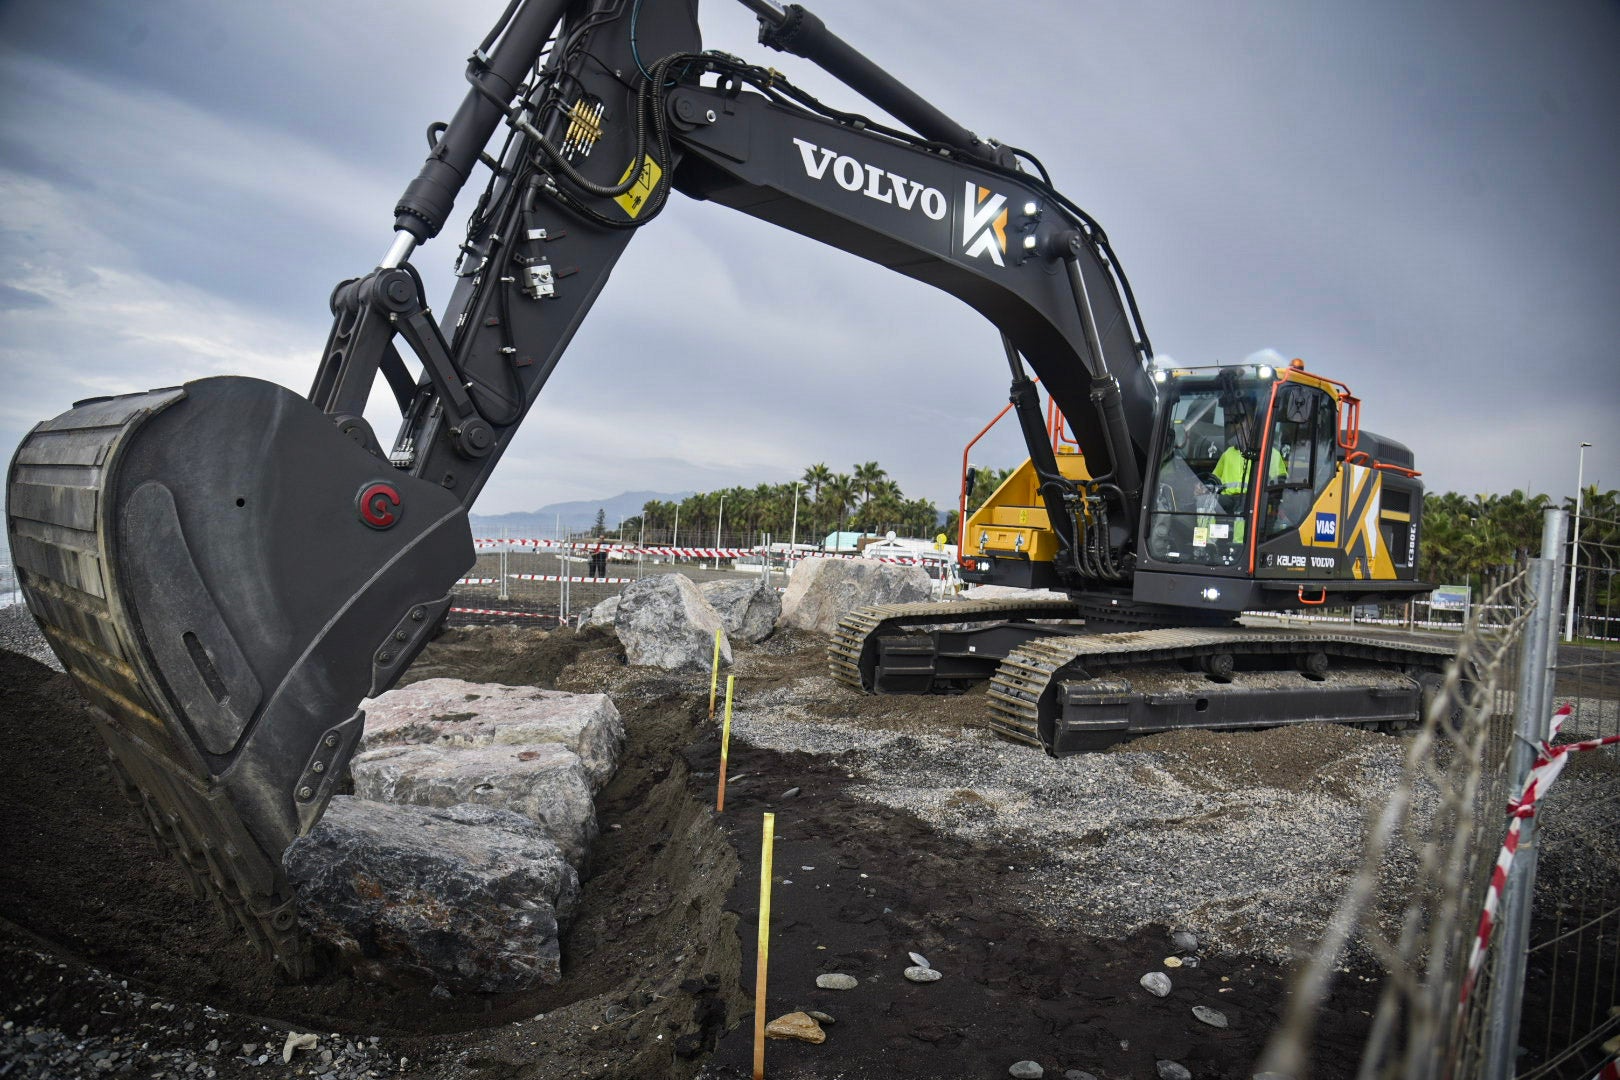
<point>1531,713</point>
<point>504,595</point>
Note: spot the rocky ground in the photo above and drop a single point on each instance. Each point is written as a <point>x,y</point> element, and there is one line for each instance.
<point>1042,891</point>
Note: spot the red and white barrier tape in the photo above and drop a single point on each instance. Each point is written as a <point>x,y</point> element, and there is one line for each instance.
<point>1548,764</point>
<point>1611,1071</point>
<point>693,552</point>
<point>490,611</point>
<point>586,580</point>
<point>477,581</point>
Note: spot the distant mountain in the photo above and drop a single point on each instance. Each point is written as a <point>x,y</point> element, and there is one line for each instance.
<point>569,516</point>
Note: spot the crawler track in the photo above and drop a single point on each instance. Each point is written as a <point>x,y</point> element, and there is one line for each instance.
<point>1022,699</point>
<point>1065,692</point>
<point>852,654</point>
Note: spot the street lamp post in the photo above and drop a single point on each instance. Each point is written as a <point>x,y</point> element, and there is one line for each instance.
<point>1575,546</point>
<point>793,534</point>
<point>719,518</point>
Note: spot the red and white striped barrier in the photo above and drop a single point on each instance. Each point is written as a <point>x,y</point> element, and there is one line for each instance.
<point>693,552</point>
<point>1611,1071</point>
<point>477,581</point>
<point>491,611</point>
<point>1548,764</point>
<point>586,580</point>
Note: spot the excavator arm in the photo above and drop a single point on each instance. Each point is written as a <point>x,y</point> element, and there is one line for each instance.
<point>227,569</point>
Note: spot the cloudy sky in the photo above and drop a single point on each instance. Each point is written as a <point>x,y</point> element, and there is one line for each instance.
<point>1422,200</point>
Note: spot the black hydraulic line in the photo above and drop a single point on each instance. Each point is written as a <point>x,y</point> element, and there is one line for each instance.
<point>801,33</point>
<point>425,206</point>
<point>1105,394</point>
<point>1056,491</point>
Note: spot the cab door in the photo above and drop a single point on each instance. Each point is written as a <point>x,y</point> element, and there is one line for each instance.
<point>1302,509</point>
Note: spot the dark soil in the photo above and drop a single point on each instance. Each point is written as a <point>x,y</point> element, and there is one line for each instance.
<point>659,961</point>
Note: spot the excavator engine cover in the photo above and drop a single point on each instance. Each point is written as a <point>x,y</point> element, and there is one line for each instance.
<point>226,575</point>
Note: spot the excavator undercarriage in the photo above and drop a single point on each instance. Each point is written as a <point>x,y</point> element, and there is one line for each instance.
<point>1059,688</point>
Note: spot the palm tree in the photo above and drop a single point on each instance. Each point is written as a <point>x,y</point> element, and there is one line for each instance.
<point>867,476</point>
<point>815,476</point>
<point>838,492</point>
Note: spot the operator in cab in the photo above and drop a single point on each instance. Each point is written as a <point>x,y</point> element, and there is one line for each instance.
<point>1235,467</point>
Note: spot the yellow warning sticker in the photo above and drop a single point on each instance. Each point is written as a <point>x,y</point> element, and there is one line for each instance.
<point>1023,516</point>
<point>635,200</point>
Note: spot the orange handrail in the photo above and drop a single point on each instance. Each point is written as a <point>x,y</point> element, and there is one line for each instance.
<point>961,499</point>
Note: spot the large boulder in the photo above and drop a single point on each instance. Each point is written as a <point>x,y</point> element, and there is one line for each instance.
<point>454,712</point>
<point>471,896</point>
<point>663,621</point>
<point>822,591</point>
<point>546,783</point>
<point>602,614</point>
<point>747,608</point>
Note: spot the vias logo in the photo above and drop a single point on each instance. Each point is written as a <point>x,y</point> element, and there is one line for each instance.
<point>984,223</point>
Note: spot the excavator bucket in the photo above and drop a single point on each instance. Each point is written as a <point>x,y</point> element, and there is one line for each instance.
<point>226,576</point>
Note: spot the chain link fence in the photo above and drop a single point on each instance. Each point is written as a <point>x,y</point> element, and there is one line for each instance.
<point>1533,989</point>
<point>551,582</point>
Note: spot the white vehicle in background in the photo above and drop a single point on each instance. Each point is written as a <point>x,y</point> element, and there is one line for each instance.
<point>934,556</point>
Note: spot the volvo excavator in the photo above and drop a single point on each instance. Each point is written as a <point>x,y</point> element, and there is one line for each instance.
<point>227,568</point>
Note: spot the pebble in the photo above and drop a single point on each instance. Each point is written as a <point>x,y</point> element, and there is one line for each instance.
<point>1172,1070</point>
<point>1189,961</point>
<point>796,1025</point>
<point>1026,1070</point>
<point>1212,1017</point>
<point>919,959</point>
<point>922,974</point>
<point>1156,983</point>
<point>1184,941</point>
<point>1172,961</point>
<point>1078,1074</point>
<point>296,1042</point>
<point>837,981</point>
<point>820,1017</point>
<point>790,792</point>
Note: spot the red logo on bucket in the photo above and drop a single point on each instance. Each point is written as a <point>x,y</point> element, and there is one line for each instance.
<point>379,506</point>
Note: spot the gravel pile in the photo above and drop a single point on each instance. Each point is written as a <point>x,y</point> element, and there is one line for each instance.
<point>1246,837</point>
<point>20,634</point>
<point>163,1039</point>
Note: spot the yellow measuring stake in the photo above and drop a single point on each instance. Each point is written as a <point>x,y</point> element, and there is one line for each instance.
<point>725,746</point>
<point>714,673</point>
<point>764,944</point>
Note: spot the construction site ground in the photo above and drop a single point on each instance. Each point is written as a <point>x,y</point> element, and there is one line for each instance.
<point>901,827</point>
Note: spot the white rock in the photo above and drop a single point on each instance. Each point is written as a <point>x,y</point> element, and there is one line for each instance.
<point>454,712</point>
<point>547,784</point>
<point>296,1042</point>
<point>1212,1017</point>
<point>663,621</point>
<point>602,614</point>
<point>748,609</point>
<point>1156,983</point>
<point>822,591</point>
<point>922,974</point>
<point>1026,1070</point>
<point>1172,1070</point>
<point>837,981</point>
<point>919,959</point>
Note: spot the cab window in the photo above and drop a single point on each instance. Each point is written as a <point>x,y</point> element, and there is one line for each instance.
<point>1304,430</point>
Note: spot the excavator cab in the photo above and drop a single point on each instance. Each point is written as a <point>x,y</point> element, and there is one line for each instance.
<point>1268,495</point>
